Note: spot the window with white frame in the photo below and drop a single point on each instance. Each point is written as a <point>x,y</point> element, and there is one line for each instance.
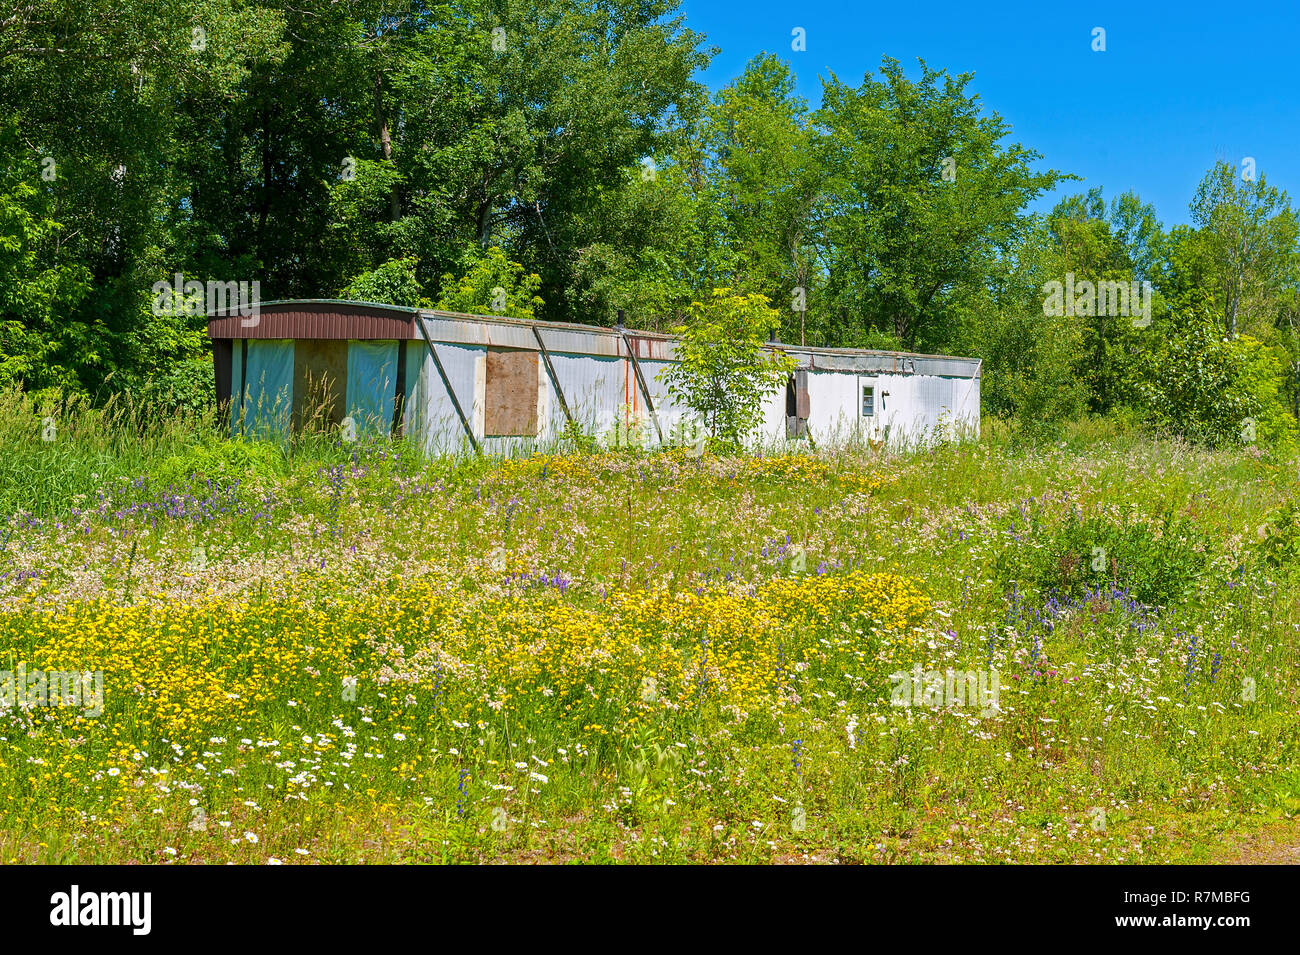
<point>868,401</point>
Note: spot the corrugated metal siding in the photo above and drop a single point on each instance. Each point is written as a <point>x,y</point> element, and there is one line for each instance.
<point>601,342</point>
<point>651,348</point>
<point>935,407</point>
<point>876,363</point>
<point>333,320</point>
<point>596,389</point>
<point>432,412</point>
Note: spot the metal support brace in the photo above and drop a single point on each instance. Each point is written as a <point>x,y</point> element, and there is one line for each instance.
<point>640,380</point>
<point>446,383</point>
<point>550,370</point>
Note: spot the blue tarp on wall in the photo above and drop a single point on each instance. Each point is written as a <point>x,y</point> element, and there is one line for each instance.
<point>372,383</point>
<point>268,396</point>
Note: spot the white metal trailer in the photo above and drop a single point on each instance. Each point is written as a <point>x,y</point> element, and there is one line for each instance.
<point>509,386</point>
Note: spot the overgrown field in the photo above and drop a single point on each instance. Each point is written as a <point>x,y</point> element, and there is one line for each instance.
<point>345,653</point>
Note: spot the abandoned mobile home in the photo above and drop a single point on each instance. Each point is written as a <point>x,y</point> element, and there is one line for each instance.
<point>505,385</point>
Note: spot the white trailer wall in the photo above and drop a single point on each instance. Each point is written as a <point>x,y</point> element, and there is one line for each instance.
<point>600,387</point>
<point>595,388</point>
<point>430,411</point>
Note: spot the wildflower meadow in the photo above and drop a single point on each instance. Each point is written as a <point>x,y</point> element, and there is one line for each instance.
<point>312,651</point>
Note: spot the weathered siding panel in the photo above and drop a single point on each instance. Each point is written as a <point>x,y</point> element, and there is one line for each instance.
<point>443,431</point>
<point>596,389</point>
<point>320,369</point>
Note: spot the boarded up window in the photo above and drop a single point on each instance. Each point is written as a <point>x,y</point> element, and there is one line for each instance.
<point>510,402</point>
<point>320,370</point>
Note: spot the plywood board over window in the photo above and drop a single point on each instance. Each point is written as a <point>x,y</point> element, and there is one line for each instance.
<point>320,371</point>
<point>510,393</point>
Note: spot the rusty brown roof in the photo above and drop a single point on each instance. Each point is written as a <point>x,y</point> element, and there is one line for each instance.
<point>318,319</point>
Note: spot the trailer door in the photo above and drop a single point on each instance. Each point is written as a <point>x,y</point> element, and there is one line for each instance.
<point>871,408</point>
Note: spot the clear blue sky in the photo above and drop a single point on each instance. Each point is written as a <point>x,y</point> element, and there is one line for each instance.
<point>1179,85</point>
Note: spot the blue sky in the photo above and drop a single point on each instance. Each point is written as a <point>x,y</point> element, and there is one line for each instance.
<point>1179,86</point>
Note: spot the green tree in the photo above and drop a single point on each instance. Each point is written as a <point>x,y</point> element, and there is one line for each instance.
<point>492,285</point>
<point>528,116</point>
<point>723,373</point>
<point>97,92</point>
<point>767,183</point>
<point>1134,223</point>
<point>1031,359</point>
<point>1094,246</point>
<point>36,288</point>
<point>659,240</point>
<point>1249,232</point>
<point>1219,391</point>
<point>921,196</point>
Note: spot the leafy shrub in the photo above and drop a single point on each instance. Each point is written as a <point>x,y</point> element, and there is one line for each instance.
<point>1157,564</point>
<point>1217,391</point>
<point>394,282</point>
<point>723,373</point>
<point>1280,537</point>
<point>491,285</point>
<point>188,387</point>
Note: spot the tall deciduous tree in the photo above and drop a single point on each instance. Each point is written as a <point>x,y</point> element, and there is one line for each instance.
<point>1249,232</point>
<point>1100,246</point>
<point>97,91</point>
<point>922,195</point>
<point>768,181</point>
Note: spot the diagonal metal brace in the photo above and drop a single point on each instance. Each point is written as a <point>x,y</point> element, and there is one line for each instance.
<point>555,380</point>
<point>640,380</point>
<point>446,383</point>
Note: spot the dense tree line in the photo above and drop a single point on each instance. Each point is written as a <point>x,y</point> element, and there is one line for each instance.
<point>565,152</point>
